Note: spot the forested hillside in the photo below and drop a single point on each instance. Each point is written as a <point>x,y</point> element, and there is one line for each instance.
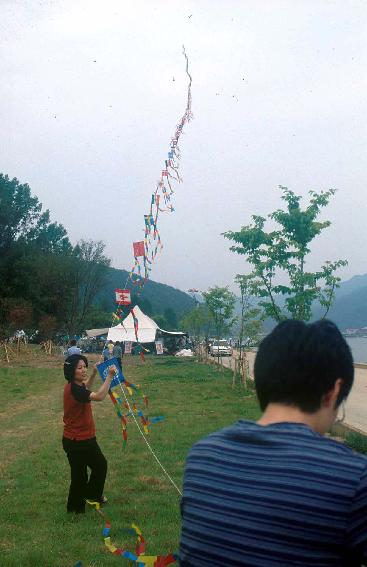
<point>47,285</point>
<point>50,287</point>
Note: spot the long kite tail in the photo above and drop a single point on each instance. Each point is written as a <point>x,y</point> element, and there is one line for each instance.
<point>147,249</point>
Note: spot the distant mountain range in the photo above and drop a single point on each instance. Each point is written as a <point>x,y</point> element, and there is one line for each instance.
<point>349,309</point>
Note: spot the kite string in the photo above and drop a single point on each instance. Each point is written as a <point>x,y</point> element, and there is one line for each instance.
<point>137,278</point>
<point>147,442</point>
<point>187,65</point>
<point>188,112</point>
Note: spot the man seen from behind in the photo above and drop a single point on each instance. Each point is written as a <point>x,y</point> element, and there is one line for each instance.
<point>277,493</point>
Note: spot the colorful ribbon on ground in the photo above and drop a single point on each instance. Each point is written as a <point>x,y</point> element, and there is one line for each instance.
<point>139,556</point>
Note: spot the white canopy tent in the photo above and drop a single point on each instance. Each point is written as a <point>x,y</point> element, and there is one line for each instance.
<point>92,333</point>
<point>147,329</point>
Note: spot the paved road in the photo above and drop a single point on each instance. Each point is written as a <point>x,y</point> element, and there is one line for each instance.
<point>356,405</point>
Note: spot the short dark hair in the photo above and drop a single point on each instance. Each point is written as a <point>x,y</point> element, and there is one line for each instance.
<point>298,363</point>
<point>73,342</point>
<point>70,365</point>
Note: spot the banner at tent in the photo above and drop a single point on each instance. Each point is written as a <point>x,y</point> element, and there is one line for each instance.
<point>128,347</point>
<point>123,296</point>
<point>103,368</point>
<point>159,347</point>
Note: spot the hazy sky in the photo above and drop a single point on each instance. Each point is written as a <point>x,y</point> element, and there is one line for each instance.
<point>91,93</point>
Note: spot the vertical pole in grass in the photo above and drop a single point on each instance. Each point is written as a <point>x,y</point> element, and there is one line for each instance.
<point>6,353</point>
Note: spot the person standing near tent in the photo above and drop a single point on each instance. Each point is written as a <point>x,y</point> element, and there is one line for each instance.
<point>73,349</point>
<point>110,349</point>
<point>117,353</point>
<point>105,353</point>
<point>79,438</point>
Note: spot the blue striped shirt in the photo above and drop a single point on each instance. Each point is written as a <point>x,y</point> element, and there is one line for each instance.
<point>273,496</point>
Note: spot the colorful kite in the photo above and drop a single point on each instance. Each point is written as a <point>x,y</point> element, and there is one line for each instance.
<point>160,202</point>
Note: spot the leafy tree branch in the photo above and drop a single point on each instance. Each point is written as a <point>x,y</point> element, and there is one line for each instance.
<point>285,251</point>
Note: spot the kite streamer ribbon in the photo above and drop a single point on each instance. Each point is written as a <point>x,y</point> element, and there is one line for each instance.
<point>139,556</point>
<point>147,442</point>
<point>119,405</point>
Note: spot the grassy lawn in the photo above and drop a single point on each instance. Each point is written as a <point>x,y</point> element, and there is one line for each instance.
<point>35,529</point>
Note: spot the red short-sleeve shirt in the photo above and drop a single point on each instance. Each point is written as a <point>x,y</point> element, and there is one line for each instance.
<point>78,416</point>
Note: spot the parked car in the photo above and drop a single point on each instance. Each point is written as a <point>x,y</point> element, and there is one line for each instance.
<point>220,348</point>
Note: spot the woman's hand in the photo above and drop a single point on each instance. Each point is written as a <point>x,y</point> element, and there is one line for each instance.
<point>112,370</point>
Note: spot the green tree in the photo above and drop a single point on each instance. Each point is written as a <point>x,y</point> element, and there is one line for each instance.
<point>144,304</point>
<point>64,286</point>
<point>22,220</point>
<point>38,265</point>
<point>88,274</point>
<point>220,302</point>
<point>45,280</point>
<point>47,327</point>
<point>198,322</point>
<point>16,314</point>
<point>160,320</point>
<point>250,316</point>
<point>285,251</point>
<point>26,235</point>
<point>97,318</point>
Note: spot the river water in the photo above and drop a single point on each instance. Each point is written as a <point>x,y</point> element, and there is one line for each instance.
<point>359,348</point>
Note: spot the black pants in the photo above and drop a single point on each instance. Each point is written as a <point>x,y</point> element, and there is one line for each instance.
<point>83,454</point>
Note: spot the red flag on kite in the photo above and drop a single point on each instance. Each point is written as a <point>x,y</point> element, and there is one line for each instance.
<point>123,296</point>
<point>139,248</point>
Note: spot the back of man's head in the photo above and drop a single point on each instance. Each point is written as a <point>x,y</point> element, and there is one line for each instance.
<point>298,363</point>
<point>73,342</point>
